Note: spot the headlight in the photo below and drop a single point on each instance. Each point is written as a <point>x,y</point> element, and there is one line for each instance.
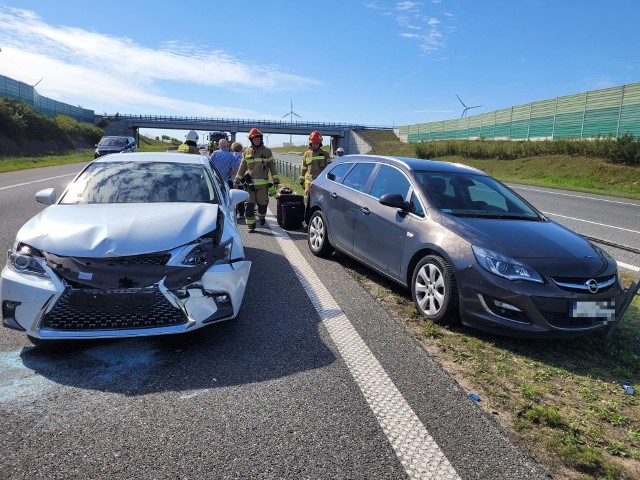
<point>24,259</point>
<point>505,267</point>
<point>203,251</point>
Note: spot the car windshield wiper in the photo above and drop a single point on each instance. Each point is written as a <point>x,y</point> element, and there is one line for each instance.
<point>494,216</point>
<point>514,216</point>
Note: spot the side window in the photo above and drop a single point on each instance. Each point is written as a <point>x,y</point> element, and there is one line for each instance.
<point>415,206</point>
<point>338,172</point>
<point>389,180</point>
<point>358,176</point>
<point>222,186</point>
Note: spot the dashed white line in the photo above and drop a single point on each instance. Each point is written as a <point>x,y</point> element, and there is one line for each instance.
<point>37,181</point>
<point>417,451</point>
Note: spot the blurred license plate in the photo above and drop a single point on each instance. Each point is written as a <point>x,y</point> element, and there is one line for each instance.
<point>594,309</point>
<point>111,301</point>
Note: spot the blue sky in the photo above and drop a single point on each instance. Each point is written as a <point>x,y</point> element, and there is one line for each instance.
<point>368,62</point>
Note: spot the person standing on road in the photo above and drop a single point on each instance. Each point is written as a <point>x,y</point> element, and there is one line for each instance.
<point>257,163</point>
<point>236,151</point>
<point>224,161</point>
<point>313,161</point>
<point>190,145</point>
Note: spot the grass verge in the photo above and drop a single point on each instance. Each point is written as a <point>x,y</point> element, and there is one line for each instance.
<point>560,400</point>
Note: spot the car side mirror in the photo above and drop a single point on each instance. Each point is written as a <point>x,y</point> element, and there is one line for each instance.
<point>46,196</point>
<point>394,200</point>
<point>237,196</point>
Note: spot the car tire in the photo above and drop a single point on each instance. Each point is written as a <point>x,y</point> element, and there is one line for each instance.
<point>434,290</point>
<point>318,235</point>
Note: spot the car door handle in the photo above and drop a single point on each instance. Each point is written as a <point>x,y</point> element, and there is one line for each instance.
<point>365,210</point>
<point>333,195</point>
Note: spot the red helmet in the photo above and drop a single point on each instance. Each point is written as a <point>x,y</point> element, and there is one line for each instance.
<point>254,132</point>
<point>315,137</point>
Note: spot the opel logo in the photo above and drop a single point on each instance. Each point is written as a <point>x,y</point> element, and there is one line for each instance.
<point>592,285</point>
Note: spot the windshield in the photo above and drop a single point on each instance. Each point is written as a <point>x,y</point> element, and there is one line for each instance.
<point>141,182</point>
<point>470,195</point>
<point>112,142</point>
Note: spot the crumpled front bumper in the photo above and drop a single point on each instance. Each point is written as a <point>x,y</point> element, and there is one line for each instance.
<point>217,296</point>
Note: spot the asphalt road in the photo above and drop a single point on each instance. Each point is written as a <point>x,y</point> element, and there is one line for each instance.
<point>312,380</point>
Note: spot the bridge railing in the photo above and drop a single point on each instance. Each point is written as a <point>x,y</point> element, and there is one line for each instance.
<point>238,121</point>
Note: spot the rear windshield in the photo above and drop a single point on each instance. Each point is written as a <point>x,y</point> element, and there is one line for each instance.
<point>141,182</point>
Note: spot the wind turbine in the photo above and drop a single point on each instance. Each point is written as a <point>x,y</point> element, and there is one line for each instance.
<point>290,115</point>
<point>464,112</point>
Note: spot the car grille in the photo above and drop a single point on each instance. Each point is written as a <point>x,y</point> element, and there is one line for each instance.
<point>118,309</point>
<point>160,258</point>
<point>556,313</point>
<point>560,320</point>
<point>579,285</point>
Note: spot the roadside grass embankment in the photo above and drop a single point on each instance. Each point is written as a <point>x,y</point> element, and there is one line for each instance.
<point>10,164</point>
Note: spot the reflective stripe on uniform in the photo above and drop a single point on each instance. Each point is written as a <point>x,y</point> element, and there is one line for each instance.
<point>311,159</point>
<point>184,148</point>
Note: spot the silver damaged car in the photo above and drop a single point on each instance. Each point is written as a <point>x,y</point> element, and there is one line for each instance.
<point>138,244</point>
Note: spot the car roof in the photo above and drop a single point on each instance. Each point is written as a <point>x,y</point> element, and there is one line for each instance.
<point>167,157</point>
<point>414,163</point>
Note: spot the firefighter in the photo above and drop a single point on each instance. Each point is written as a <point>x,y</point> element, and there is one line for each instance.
<point>257,162</point>
<point>313,161</point>
<point>190,144</point>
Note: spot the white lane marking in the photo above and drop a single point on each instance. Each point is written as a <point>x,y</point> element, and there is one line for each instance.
<point>576,196</point>
<point>36,181</point>
<point>418,453</point>
<point>628,267</point>
<point>593,223</point>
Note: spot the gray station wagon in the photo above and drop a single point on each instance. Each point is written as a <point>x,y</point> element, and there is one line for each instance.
<point>468,247</point>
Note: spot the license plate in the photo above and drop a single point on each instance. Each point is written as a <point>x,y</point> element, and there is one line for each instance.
<point>594,309</point>
<point>111,301</point>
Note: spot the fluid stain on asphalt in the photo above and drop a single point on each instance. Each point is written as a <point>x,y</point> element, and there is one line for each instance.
<point>27,375</point>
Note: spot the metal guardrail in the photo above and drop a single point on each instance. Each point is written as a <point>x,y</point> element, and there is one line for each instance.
<point>288,169</point>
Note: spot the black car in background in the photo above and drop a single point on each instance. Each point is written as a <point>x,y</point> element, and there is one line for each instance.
<point>114,144</point>
<point>468,247</point>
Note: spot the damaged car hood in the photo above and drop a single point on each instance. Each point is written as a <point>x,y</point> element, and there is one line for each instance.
<point>114,230</point>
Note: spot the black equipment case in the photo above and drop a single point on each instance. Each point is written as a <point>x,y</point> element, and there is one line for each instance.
<point>290,211</point>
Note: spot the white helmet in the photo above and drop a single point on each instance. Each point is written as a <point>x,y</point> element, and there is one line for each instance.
<point>340,151</point>
<point>192,135</point>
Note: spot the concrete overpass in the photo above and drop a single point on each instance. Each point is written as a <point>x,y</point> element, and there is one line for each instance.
<point>338,134</point>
